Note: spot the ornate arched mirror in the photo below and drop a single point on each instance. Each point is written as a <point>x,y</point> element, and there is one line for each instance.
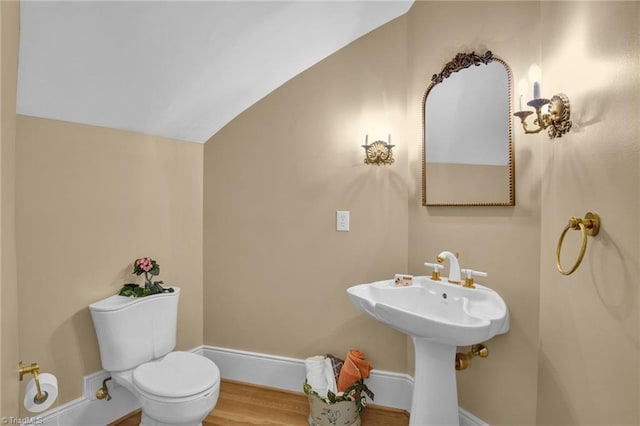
<point>467,137</point>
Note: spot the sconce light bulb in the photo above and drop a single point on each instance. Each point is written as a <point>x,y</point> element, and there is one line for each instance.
<point>535,73</point>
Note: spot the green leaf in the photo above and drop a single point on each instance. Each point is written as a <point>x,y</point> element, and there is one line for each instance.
<point>361,403</point>
<point>368,392</point>
<point>306,387</point>
<point>155,270</point>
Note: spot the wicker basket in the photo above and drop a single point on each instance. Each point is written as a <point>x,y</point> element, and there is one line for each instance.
<point>344,413</point>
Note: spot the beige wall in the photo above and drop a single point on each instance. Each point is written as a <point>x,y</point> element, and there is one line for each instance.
<point>9,355</point>
<point>533,374</point>
<point>503,241</point>
<point>588,360</point>
<point>276,270</point>
<point>89,201</point>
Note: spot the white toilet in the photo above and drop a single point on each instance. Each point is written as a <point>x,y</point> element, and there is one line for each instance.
<point>136,337</point>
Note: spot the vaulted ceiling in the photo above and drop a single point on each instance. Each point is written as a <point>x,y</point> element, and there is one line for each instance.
<point>179,69</point>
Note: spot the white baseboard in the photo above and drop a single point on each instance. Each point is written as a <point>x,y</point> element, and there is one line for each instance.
<point>468,419</point>
<point>391,389</point>
<point>90,412</point>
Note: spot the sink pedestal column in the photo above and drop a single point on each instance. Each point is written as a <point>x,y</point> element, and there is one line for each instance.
<point>435,393</point>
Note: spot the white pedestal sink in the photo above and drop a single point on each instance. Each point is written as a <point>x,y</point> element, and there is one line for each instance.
<point>439,317</point>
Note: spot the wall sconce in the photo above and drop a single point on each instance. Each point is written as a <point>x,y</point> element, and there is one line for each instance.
<point>379,152</point>
<point>556,121</point>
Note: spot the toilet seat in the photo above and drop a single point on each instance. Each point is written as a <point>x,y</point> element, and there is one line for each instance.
<point>177,375</point>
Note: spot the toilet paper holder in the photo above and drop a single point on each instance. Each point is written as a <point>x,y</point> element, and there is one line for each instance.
<point>34,369</point>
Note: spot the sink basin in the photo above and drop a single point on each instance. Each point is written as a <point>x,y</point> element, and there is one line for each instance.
<point>437,310</point>
<point>439,316</point>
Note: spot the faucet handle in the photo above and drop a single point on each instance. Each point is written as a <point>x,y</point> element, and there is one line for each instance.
<point>435,275</point>
<point>470,273</point>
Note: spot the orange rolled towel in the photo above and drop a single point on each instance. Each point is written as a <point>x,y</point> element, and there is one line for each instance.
<point>355,368</point>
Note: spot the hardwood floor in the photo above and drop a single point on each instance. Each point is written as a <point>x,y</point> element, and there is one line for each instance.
<point>242,404</point>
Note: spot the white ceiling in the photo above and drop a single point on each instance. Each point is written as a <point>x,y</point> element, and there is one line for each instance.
<point>179,69</point>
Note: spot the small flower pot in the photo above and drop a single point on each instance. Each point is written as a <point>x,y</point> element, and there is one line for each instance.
<point>344,413</point>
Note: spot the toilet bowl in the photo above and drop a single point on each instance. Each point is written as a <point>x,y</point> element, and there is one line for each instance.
<point>180,389</point>
<point>136,337</point>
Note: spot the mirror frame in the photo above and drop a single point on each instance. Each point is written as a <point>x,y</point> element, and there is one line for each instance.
<point>459,62</point>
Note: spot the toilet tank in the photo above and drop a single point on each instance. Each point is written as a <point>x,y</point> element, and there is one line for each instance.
<point>132,331</point>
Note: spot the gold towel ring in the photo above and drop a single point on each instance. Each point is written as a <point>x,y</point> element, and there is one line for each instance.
<point>589,226</point>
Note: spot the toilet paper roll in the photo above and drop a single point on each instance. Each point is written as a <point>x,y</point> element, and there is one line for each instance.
<point>48,386</point>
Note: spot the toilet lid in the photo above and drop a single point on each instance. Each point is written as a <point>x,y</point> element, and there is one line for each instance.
<point>178,374</point>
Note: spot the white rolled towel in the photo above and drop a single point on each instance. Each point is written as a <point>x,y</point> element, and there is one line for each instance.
<point>320,375</point>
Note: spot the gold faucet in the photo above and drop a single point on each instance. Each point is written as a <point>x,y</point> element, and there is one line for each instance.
<point>454,265</point>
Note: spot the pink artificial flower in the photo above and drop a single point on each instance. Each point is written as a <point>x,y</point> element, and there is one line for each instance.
<point>145,264</point>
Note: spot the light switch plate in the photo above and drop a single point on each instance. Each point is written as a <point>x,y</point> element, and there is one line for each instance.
<point>342,220</point>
